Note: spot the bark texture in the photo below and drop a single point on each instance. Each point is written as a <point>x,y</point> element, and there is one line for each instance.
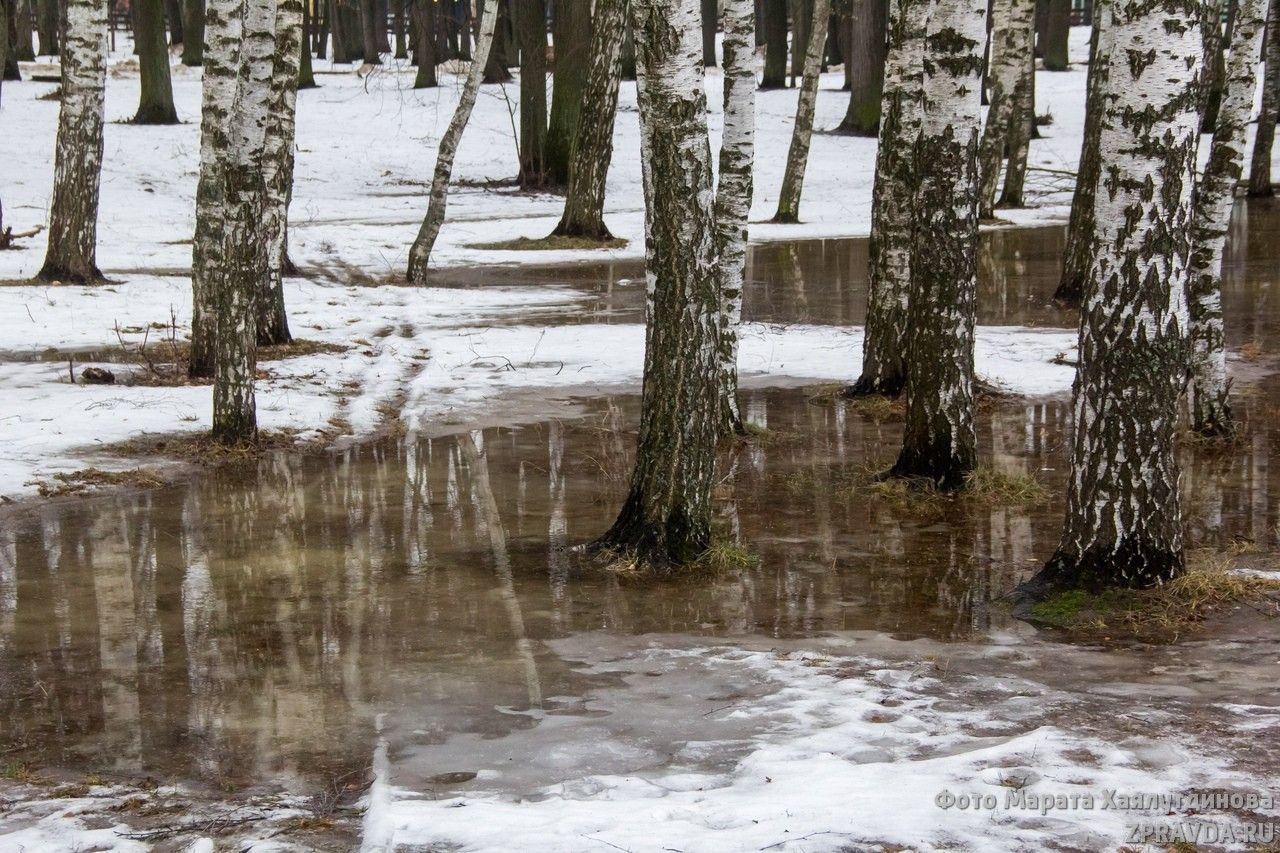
<point>1265,134</point>
<point>733,192</point>
<point>1057,32</point>
<point>1012,44</point>
<point>868,48</point>
<point>531,33</point>
<point>775,44</point>
<point>1077,254</point>
<point>244,250</point>
<point>802,131</point>
<point>155,104</point>
<point>277,171</point>
<point>593,141</point>
<point>77,170</point>
<point>1213,68</point>
<point>420,251</point>
<point>666,518</point>
<point>193,33</point>
<point>884,344</point>
<point>425,51</point>
<point>1211,217</point>
<point>939,442</point>
<point>1123,524</point>
<point>572,41</point>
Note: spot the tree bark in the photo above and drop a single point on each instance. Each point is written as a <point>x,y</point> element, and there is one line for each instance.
<point>369,32</point>
<point>244,251</point>
<point>22,25</point>
<point>802,131</point>
<point>893,218</point>
<point>775,45</point>
<point>709,13</point>
<point>306,74</point>
<point>402,43</point>
<point>868,48</point>
<point>1123,524</point>
<point>666,518</point>
<point>193,29</point>
<point>425,53</point>
<point>9,34</point>
<point>173,14</point>
<point>495,69</point>
<point>939,442</point>
<point>593,142</point>
<point>1211,217</point>
<point>733,193</point>
<point>1077,254</point>
<point>1057,33</point>
<point>571,38</point>
<point>420,251</point>
<point>1265,134</point>
<point>801,16</point>
<point>1012,36</point>
<point>1021,132</point>
<point>1213,64</point>
<point>531,33</point>
<point>73,212</point>
<point>155,104</point>
<point>47,27</point>
<point>277,172</point>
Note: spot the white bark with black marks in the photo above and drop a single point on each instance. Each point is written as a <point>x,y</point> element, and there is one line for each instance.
<point>1012,39</point>
<point>802,131</point>
<point>1269,110</point>
<point>77,171</point>
<point>420,251</point>
<point>1214,199</point>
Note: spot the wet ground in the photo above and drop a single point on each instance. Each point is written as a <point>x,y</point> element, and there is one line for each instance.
<point>281,627</point>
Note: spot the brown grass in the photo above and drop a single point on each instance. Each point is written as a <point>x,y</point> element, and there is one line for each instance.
<point>550,243</point>
<point>78,482</point>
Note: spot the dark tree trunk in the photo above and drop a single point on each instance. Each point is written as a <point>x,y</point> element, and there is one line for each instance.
<point>22,28</point>
<point>801,16</point>
<point>73,212</point>
<point>1213,68</point>
<point>193,27</point>
<point>369,32</point>
<point>868,20</point>
<point>1077,255</point>
<point>321,27</point>
<point>306,74</point>
<point>381,37</point>
<point>495,69</point>
<point>425,54</point>
<point>1057,31</point>
<point>572,43</point>
<point>775,44</point>
<point>710,12</point>
<point>173,13</point>
<point>666,518</point>
<point>593,142</point>
<point>155,106</point>
<point>9,36</point>
<point>531,32</point>
<point>1264,137</point>
<point>402,42</point>
<point>47,27</point>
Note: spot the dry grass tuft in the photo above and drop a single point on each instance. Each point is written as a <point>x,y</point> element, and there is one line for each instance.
<point>78,482</point>
<point>552,243</point>
<point>997,487</point>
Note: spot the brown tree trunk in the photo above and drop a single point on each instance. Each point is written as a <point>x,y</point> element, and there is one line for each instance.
<point>868,46</point>
<point>193,29</point>
<point>1264,137</point>
<point>571,38</point>
<point>531,31</point>
<point>775,44</point>
<point>425,53</point>
<point>155,105</point>
<point>1057,32</point>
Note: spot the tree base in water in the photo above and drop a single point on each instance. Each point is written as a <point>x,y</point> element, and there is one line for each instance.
<point>883,386</point>
<point>1134,564</point>
<point>654,548</point>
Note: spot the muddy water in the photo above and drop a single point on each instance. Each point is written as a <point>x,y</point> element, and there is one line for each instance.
<point>255,626</point>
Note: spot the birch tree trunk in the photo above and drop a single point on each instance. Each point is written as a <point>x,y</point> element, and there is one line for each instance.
<point>221,58</point>
<point>1077,254</point>
<point>1012,36</point>
<point>277,171</point>
<point>155,104</point>
<point>420,252</point>
<point>733,192</point>
<point>593,141</point>
<point>884,343</point>
<point>244,251</point>
<point>1020,132</point>
<point>1213,64</point>
<point>1211,217</point>
<point>1265,134</point>
<point>531,33</point>
<point>666,519</point>
<point>77,171</point>
<point>1123,524</point>
<point>868,21</point>
<point>939,442</point>
<point>802,132</point>
<point>571,38</point>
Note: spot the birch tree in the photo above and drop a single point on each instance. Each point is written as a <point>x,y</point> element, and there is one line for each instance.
<point>1077,255</point>
<point>1123,524</point>
<point>666,518</point>
<point>1012,43</point>
<point>243,251</point>
<point>71,256</point>
<point>1265,134</point>
<point>593,140</point>
<point>420,251</point>
<point>277,168</point>
<point>884,357</point>
<point>1211,217</point>
<point>802,131</point>
<point>939,442</point>
<point>733,192</point>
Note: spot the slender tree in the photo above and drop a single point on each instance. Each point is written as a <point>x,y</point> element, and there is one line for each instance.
<point>666,518</point>
<point>531,33</point>
<point>495,69</point>
<point>593,141</point>
<point>21,22</point>
<point>774,13</point>
<point>306,74</point>
<point>1012,43</point>
<point>47,27</point>
<point>77,170</point>
<point>571,35</point>
<point>1265,134</point>
<point>1213,62</point>
<point>1211,217</point>
<point>370,53</point>
<point>1057,33</point>
<point>868,46</point>
<point>193,29</point>
<point>1123,524</point>
<point>155,104</point>
<point>244,251</point>
<point>420,251</point>
<point>884,350</point>
<point>710,11</point>
<point>173,14</point>
<point>733,193</point>
<point>802,131</point>
<point>9,33</point>
<point>1077,255</point>
<point>277,171</point>
<point>939,442</point>
<point>425,52</point>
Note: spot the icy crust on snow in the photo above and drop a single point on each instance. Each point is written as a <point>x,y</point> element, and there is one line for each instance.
<point>843,750</point>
